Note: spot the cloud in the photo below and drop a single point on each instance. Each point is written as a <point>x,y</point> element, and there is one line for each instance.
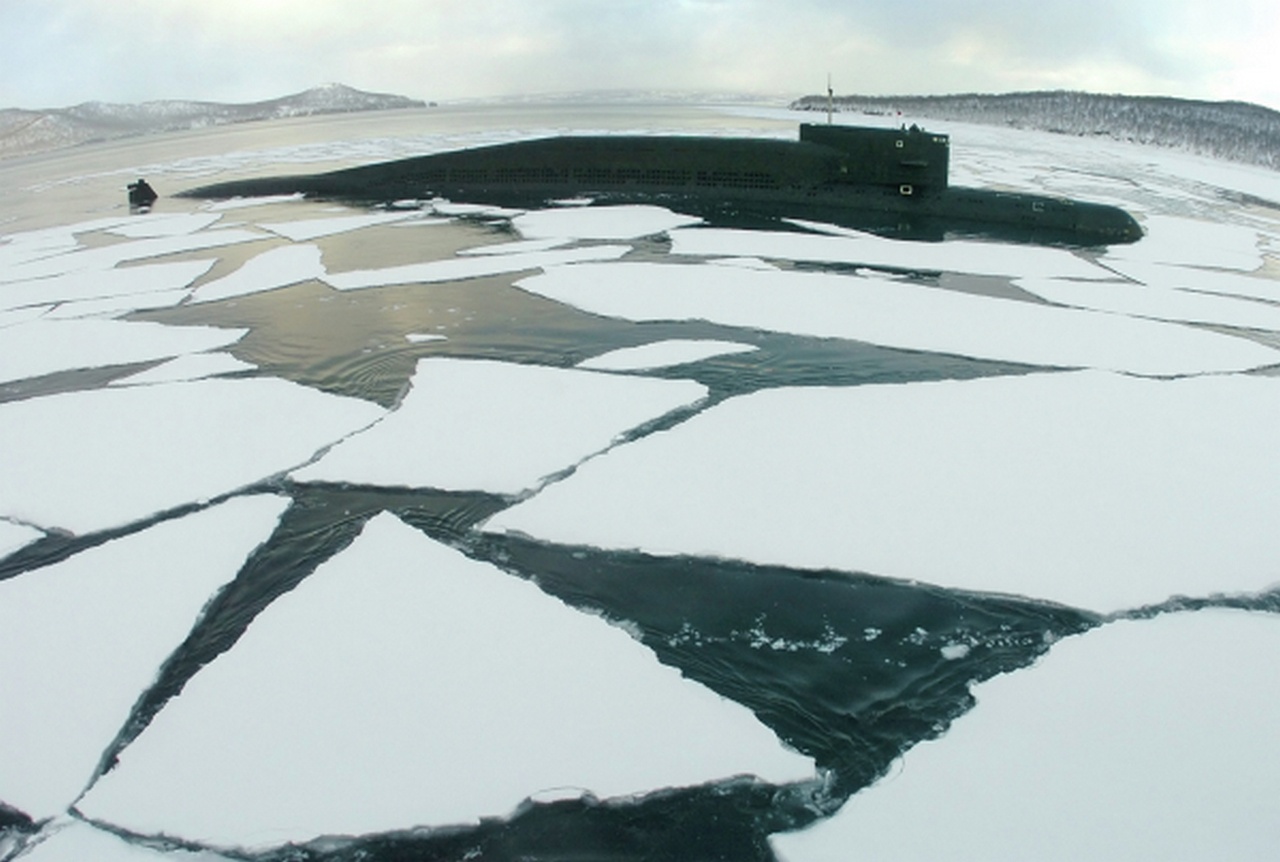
<point>63,51</point>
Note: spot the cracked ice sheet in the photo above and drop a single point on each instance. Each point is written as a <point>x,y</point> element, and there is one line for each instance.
<point>192,366</point>
<point>856,248</point>
<point>164,224</point>
<point>126,282</point>
<point>1150,739</point>
<point>476,266</point>
<point>279,267</point>
<point>1161,303</point>
<point>1199,280</point>
<point>105,257</point>
<point>307,229</point>
<point>81,640</point>
<point>604,222</point>
<point>1086,488</point>
<point>1173,240</point>
<point>480,425</point>
<point>44,346</point>
<point>75,841</point>
<point>896,313</point>
<point>663,354</point>
<point>117,306</point>
<point>87,461</point>
<point>433,689</point>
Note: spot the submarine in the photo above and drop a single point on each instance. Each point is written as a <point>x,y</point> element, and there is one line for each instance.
<point>891,182</point>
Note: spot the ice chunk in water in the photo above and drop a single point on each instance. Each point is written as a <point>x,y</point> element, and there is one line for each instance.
<point>404,684</point>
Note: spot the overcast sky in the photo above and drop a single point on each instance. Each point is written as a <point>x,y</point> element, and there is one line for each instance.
<point>61,52</point>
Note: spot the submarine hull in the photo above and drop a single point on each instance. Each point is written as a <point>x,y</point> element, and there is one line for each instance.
<point>886,181</point>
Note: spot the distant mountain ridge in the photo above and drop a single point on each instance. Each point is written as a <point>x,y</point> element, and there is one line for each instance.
<point>25,131</point>
<point>1236,131</point>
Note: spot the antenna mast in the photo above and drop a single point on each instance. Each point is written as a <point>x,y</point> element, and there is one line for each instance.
<point>829,98</point>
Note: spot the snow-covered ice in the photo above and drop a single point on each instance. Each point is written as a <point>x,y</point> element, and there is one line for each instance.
<point>604,222</point>
<point>1201,280</point>
<point>105,257</point>
<point>856,248</point>
<point>86,461</point>
<point>1143,740</point>
<point>476,266</point>
<point>517,246</point>
<point>44,346</point>
<point>479,425</point>
<point>244,203</point>
<point>192,366</point>
<point>1174,240</point>
<point>663,354</point>
<point>896,313</point>
<point>125,282</point>
<point>278,267</point>
<point>75,841</point>
<point>421,337</point>
<point>155,224</point>
<point>1088,488</point>
<point>82,639</point>
<point>404,684</point>
<point>117,306</point>
<point>1160,303</point>
<point>303,230</point>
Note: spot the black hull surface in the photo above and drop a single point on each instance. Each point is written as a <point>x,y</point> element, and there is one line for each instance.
<point>886,181</point>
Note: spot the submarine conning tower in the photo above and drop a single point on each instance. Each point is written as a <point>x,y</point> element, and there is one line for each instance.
<point>909,158</point>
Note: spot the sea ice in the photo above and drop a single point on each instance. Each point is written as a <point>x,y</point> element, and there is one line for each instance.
<point>1173,240</point>
<point>420,337</point>
<point>117,306</point>
<point>279,267</point>
<point>1138,740</point>
<point>105,257</point>
<point>242,203</point>
<point>82,639</point>
<point>1087,488</point>
<point>896,313</point>
<point>86,461</point>
<point>404,684</point>
<point>75,841</point>
<point>855,248</point>
<point>604,222</point>
<point>517,247</point>
<point>309,229</point>
<point>478,425</point>
<point>192,366</point>
<point>476,266</point>
<point>1161,303</point>
<point>15,536</point>
<point>44,346</point>
<point>1200,280</point>
<point>164,224</point>
<point>124,282</point>
<point>663,354</point>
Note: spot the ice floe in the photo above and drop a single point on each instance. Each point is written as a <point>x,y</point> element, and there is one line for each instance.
<point>167,224</point>
<point>82,639</point>
<point>314,228</point>
<point>663,354</point>
<point>896,313</point>
<point>476,266</point>
<point>404,684</point>
<point>1087,488</point>
<point>1200,280</point>
<point>278,267</point>
<point>421,337</point>
<point>192,366</point>
<point>1139,740</point>
<point>1173,240</point>
<point>86,461</point>
<point>44,346</point>
<point>479,425</point>
<point>1160,303</point>
<point>856,248</point>
<point>124,282</point>
<point>117,306</point>
<point>603,222</point>
<point>517,246</point>
<point>75,841</point>
<point>105,257</point>
<point>15,536</point>
<point>242,203</point>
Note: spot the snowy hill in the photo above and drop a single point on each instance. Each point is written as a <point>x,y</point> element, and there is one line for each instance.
<point>24,131</point>
<point>1237,131</point>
